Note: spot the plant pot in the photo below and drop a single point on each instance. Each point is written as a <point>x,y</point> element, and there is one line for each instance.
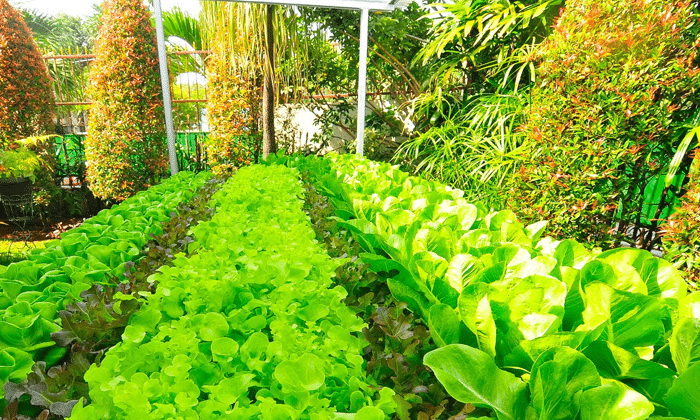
<point>14,188</point>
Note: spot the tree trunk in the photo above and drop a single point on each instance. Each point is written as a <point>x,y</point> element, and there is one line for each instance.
<point>268,105</point>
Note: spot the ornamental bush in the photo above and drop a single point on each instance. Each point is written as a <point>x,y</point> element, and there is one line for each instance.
<point>233,108</point>
<point>27,103</point>
<point>618,80</point>
<point>125,147</point>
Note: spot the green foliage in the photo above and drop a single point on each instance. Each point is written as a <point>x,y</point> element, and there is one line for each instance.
<point>468,34</point>
<point>480,57</point>
<point>249,326</point>
<point>27,104</point>
<point>394,41</point>
<point>475,147</point>
<point>32,292</point>
<point>124,148</point>
<point>397,339</point>
<point>681,234</point>
<point>19,163</point>
<point>60,33</point>
<point>606,335</point>
<point>179,24</point>
<point>96,323</point>
<point>619,84</point>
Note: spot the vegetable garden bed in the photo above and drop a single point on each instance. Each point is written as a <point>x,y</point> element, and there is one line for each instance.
<point>421,305</point>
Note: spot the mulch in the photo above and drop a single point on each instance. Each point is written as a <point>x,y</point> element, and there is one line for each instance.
<point>38,231</point>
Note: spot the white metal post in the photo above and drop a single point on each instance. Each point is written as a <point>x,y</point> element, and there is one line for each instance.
<point>362,83</point>
<point>165,83</point>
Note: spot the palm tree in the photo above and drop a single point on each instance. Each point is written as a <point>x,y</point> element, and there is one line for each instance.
<point>251,41</point>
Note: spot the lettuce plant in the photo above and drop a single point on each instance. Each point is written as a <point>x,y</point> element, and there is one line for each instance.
<point>32,292</point>
<point>528,326</point>
<point>248,326</point>
<point>96,323</point>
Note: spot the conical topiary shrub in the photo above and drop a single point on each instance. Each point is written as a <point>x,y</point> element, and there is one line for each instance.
<point>125,147</point>
<point>26,99</point>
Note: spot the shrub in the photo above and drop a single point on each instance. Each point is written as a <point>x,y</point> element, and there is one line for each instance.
<point>618,78</point>
<point>124,148</point>
<point>682,232</point>
<point>27,104</point>
<point>233,109</point>
<point>233,102</point>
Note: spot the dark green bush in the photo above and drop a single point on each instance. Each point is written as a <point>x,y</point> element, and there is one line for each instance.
<point>619,78</point>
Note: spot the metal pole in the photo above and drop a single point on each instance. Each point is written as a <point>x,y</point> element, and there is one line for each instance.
<point>362,82</point>
<point>165,83</point>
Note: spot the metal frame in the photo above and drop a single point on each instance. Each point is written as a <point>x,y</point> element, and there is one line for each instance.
<point>363,5</point>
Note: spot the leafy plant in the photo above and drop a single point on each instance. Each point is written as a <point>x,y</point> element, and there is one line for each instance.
<point>397,340</point>
<point>606,120</point>
<point>19,163</point>
<point>528,326</point>
<point>27,100</point>
<point>247,326</point>
<point>95,323</point>
<point>32,292</point>
<point>124,148</point>
<point>475,147</point>
<point>481,62</point>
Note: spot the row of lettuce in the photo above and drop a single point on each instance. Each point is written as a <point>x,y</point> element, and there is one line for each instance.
<point>32,292</point>
<point>527,326</point>
<point>248,325</point>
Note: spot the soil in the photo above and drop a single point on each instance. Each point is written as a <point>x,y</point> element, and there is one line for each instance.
<point>38,231</point>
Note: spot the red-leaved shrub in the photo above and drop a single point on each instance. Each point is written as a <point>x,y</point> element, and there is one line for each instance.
<point>125,147</point>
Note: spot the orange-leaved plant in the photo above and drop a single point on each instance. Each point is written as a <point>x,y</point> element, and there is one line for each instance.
<point>26,100</point>
<point>233,97</point>
<point>125,147</point>
<point>618,81</point>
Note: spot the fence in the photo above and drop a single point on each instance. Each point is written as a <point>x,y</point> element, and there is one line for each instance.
<point>70,156</point>
<point>69,71</point>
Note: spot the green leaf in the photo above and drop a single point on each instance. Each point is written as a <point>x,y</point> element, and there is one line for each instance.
<point>535,305</point>
<point>614,362</point>
<point>536,229</point>
<point>683,399</point>
<point>305,373</point>
<point>416,300</point>
<point>528,351</point>
<point>685,337</point>
<point>471,376</point>
<point>634,320</point>
<point>680,154</point>
<point>570,253</point>
<point>15,364</point>
<point>557,377</point>
<point>461,270</point>
<point>446,327</point>
<point>229,390</point>
<point>476,313</point>
<point>662,279</point>
<point>212,326</point>
<point>614,401</point>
